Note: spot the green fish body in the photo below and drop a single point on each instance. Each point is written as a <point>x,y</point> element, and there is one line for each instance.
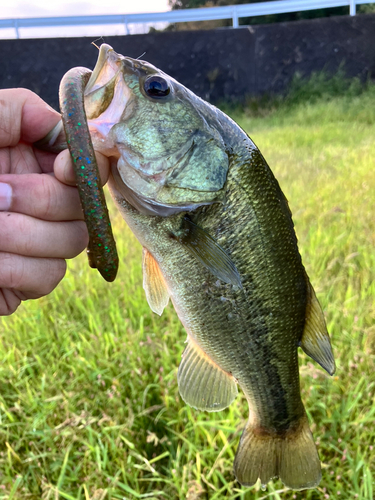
<point>219,240</point>
<point>246,335</point>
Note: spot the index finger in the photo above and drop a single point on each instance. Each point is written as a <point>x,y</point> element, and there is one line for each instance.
<point>24,116</point>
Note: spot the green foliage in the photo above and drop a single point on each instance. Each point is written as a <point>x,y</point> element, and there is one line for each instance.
<point>271,18</point>
<point>294,16</point>
<point>89,406</point>
<point>322,86</point>
<point>319,87</point>
<point>368,8</point>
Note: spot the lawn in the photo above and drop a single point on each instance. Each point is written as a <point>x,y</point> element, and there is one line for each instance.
<point>89,405</point>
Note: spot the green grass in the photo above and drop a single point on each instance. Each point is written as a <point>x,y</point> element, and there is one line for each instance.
<point>89,405</point>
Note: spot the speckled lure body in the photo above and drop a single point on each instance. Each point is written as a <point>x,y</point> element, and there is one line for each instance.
<point>102,251</point>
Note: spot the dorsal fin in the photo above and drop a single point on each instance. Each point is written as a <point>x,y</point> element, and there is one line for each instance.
<point>315,339</point>
<point>154,284</point>
<point>202,383</point>
<point>208,252</point>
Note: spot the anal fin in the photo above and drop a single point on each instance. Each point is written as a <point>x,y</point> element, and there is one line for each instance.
<point>154,284</point>
<point>315,339</point>
<point>202,383</point>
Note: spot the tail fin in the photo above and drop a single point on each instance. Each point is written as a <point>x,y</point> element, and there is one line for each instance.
<point>292,457</point>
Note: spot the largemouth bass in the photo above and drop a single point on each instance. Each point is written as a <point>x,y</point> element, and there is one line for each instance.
<point>218,240</point>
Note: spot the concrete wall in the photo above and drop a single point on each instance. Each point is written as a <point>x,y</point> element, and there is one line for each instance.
<point>222,64</point>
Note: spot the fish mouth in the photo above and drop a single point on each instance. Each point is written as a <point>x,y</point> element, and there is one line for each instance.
<point>103,72</point>
<point>109,63</point>
<point>106,97</point>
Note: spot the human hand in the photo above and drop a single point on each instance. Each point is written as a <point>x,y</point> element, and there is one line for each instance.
<point>41,220</point>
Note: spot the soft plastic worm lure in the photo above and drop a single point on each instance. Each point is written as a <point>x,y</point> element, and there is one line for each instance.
<point>102,252</point>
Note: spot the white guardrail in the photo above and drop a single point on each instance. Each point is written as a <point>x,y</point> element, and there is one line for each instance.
<point>233,12</point>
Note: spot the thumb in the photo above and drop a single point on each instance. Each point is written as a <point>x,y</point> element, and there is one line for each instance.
<point>64,172</point>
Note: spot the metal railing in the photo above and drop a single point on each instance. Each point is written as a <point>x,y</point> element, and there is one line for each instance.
<point>233,12</point>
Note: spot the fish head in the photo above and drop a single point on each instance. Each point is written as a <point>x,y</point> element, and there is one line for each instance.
<point>168,157</point>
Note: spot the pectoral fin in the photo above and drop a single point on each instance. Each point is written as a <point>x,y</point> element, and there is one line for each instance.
<point>208,252</point>
<point>154,284</point>
<point>315,339</point>
<point>202,383</point>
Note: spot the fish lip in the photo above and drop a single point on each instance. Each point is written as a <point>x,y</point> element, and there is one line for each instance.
<point>104,50</point>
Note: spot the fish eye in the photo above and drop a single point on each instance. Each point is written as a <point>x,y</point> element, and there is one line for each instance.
<point>156,87</point>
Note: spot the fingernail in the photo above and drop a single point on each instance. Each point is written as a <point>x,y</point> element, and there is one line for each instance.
<point>5,196</point>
